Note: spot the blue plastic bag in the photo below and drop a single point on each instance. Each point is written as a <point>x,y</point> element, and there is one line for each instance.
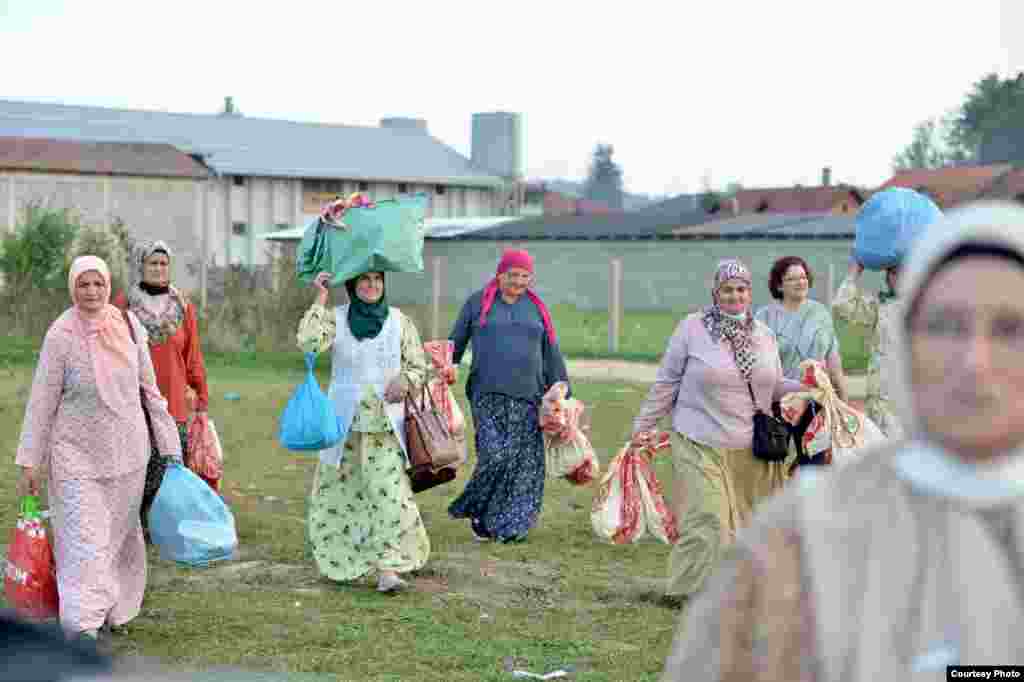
<point>309,421</point>
<point>189,522</point>
<point>889,223</point>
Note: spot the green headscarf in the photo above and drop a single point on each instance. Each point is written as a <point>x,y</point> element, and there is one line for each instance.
<point>365,319</point>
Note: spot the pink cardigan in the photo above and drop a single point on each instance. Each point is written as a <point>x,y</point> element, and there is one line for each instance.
<point>69,428</point>
<point>699,383</point>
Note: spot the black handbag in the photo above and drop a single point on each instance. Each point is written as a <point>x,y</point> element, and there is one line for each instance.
<point>156,466</point>
<point>771,435</point>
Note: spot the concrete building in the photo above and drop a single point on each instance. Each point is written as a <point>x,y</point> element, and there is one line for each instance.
<point>155,188</point>
<point>267,175</point>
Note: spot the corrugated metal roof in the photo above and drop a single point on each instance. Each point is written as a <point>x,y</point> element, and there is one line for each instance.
<point>103,158</point>
<point>622,226</point>
<point>436,228</point>
<point>240,145</point>
<point>774,226</point>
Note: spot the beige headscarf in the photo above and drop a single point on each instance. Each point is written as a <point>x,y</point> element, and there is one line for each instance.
<point>107,337</point>
<point>995,224</point>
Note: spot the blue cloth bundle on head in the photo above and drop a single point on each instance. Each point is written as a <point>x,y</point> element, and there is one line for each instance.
<point>889,223</point>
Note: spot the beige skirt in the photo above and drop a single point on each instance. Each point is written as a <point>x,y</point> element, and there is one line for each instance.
<point>715,493</point>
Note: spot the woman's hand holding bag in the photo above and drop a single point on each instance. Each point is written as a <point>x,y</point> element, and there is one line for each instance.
<point>30,573</point>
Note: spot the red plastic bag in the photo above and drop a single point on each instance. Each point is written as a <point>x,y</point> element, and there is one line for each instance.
<point>205,457</point>
<point>30,576</point>
<point>629,502</point>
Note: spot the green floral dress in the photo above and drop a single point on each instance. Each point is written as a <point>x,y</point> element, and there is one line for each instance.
<point>361,516</point>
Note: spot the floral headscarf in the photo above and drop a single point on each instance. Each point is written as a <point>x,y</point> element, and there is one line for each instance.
<point>161,313</point>
<point>719,325</point>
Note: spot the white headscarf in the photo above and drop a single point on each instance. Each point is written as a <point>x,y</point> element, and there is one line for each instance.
<point>925,462</point>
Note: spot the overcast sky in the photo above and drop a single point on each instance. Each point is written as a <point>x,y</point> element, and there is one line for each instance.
<point>765,93</point>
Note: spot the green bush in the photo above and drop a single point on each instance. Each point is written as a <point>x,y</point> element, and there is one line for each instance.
<point>113,244</point>
<point>36,254</point>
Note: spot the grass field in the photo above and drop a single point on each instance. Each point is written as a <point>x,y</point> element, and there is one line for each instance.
<point>560,599</point>
<point>584,334</point>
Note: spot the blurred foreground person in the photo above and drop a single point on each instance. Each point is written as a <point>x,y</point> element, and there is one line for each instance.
<point>911,558</point>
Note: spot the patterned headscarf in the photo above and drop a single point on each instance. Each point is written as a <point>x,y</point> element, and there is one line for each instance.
<point>719,325</point>
<point>160,311</point>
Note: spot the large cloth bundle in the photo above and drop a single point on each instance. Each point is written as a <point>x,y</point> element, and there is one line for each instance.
<point>889,223</point>
<point>836,425</point>
<point>353,236</point>
<point>629,503</point>
<point>189,522</point>
<point>567,450</point>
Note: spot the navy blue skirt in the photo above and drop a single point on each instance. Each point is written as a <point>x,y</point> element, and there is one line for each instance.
<point>503,497</point>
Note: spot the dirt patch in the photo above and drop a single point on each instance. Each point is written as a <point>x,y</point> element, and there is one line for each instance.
<point>613,370</point>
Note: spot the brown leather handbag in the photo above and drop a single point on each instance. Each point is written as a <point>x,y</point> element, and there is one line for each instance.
<point>433,450</point>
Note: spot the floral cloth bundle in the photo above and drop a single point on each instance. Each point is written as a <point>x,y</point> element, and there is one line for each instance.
<point>567,450</point>
<point>629,503</point>
<point>836,425</point>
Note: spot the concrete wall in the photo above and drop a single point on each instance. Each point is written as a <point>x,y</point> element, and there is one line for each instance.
<point>186,212</point>
<point>657,275</point>
<point>152,208</point>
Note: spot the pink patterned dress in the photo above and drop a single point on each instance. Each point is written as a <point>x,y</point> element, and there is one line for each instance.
<point>96,459</point>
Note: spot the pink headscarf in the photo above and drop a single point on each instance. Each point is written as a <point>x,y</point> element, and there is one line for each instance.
<point>108,338</point>
<point>513,258</point>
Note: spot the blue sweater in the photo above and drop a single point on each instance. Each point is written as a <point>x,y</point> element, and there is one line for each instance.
<point>512,355</point>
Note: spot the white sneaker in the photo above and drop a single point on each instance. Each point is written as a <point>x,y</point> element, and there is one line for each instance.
<point>391,583</point>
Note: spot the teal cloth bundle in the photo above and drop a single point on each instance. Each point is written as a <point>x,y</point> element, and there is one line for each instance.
<point>384,236</point>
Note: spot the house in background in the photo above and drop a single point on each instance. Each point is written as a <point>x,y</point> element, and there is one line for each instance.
<point>952,185</point>
<point>541,200</point>
<point>268,175</point>
<point>826,199</point>
<point>155,189</point>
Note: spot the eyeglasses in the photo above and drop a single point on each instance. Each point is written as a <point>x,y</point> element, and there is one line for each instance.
<point>800,278</point>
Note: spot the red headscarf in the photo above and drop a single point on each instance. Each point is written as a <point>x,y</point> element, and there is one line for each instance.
<point>513,258</point>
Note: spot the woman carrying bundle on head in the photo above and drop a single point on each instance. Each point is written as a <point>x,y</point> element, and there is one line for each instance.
<point>362,515</point>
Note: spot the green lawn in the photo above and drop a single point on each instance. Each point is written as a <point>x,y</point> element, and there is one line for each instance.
<point>560,599</point>
<point>584,334</point>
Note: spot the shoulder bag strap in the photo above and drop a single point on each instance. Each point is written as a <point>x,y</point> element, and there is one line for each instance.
<point>142,393</point>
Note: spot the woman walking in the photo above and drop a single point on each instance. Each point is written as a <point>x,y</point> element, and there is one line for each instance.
<point>720,366</point>
<point>362,515</point>
<point>84,423</point>
<point>804,330</point>
<point>516,359</point>
<point>172,325</point>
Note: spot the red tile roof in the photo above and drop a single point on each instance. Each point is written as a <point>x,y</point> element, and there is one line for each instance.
<point>795,199</point>
<point>1009,186</point>
<point>98,158</point>
<point>951,185</point>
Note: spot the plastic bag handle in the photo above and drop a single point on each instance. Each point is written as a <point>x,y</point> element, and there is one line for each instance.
<point>30,507</point>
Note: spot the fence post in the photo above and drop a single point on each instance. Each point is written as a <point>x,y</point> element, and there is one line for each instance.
<point>830,293</point>
<point>435,298</point>
<point>614,304</point>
